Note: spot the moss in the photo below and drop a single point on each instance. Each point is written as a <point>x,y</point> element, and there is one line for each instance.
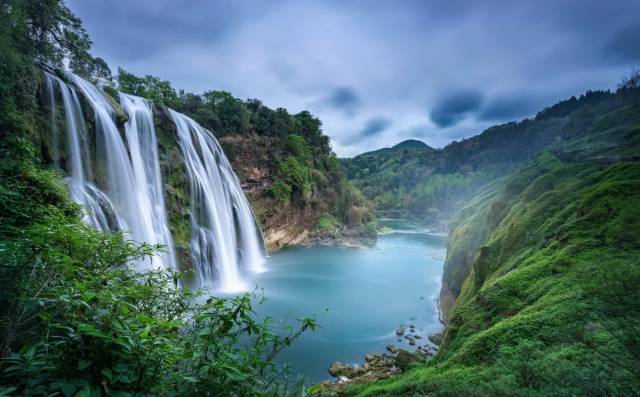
<point>176,182</point>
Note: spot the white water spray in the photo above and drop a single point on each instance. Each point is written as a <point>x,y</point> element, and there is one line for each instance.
<point>224,233</point>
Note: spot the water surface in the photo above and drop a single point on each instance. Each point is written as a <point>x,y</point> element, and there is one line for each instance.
<point>360,296</point>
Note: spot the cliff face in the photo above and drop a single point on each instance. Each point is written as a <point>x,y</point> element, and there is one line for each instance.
<point>255,160</point>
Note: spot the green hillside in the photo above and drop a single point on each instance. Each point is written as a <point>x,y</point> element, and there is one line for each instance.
<point>546,263</point>
<point>432,185</point>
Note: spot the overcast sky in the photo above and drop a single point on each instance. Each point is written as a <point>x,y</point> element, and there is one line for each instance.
<point>376,72</point>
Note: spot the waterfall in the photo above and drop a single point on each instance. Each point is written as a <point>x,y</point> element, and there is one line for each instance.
<point>143,149</point>
<point>129,193</point>
<point>224,233</point>
<point>132,199</point>
<point>98,209</point>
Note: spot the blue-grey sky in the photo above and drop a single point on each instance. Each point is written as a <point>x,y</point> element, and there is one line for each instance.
<point>376,72</point>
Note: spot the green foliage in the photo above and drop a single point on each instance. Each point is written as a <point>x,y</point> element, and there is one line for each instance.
<point>149,87</point>
<point>299,148</point>
<point>81,321</point>
<point>281,191</point>
<point>223,113</point>
<point>297,175</point>
<point>327,223</point>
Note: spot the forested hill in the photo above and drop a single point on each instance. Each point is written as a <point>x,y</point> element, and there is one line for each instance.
<point>432,184</point>
<point>543,267</point>
<point>540,286</point>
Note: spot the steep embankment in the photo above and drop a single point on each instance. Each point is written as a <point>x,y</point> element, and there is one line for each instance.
<point>611,137</point>
<point>547,265</point>
<point>432,185</point>
<point>254,159</point>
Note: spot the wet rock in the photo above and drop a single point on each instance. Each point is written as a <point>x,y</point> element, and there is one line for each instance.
<point>371,357</point>
<point>412,342</point>
<point>404,359</point>
<point>392,348</point>
<point>400,330</point>
<point>338,369</point>
<point>436,339</point>
<point>417,336</point>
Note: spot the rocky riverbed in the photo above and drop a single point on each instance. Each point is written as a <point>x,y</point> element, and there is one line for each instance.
<point>382,365</point>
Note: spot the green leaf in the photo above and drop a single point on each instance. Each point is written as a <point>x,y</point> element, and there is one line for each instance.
<point>82,364</point>
<point>145,332</point>
<point>7,391</point>
<point>68,389</point>
<point>88,296</point>
<point>107,373</point>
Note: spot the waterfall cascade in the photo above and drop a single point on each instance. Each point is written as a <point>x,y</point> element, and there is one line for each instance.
<point>99,211</point>
<point>223,227</point>
<point>225,237</point>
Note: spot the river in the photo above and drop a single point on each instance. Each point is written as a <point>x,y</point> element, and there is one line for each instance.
<point>360,296</point>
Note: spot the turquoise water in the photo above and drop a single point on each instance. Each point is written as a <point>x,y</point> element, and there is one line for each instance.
<point>360,296</point>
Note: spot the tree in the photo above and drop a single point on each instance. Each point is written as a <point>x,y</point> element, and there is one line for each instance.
<point>149,87</point>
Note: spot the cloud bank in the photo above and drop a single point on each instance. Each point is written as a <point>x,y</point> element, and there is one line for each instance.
<point>376,72</point>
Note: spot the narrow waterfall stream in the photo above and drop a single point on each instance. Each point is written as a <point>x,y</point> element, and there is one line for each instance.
<point>226,241</point>
<point>224,230</point>
<point>143,150</point>
<point>100,212</point>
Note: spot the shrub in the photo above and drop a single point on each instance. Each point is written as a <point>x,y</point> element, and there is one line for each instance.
<point>281,191</point>
<point>82,322</point>
<point>327,223</point>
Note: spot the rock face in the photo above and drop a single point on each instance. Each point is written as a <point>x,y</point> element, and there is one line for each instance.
<point>376,366</point>
<point>254,160</point>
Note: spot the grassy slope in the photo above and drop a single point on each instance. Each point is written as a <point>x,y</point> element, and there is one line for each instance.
<point>547,247</point>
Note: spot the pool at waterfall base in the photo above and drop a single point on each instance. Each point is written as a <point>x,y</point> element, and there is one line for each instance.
<point>359,296</point>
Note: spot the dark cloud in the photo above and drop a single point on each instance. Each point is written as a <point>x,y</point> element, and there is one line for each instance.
<point>624,45</point>
<point>374,127</point>
<point>338,59</point>
<point>509,107</point>
<point>453,107</point>
<point>344,99</point>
